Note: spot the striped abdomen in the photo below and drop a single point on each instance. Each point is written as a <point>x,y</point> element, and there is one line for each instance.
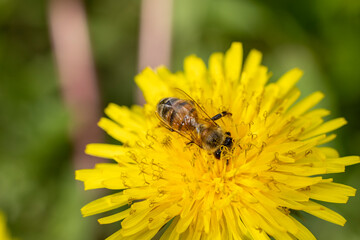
<point>179,114</point>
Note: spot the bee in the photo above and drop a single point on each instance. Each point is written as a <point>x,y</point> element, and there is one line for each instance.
<point>183,117</point>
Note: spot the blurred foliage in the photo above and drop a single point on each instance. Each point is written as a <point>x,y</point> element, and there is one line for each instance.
<point>37,190</point>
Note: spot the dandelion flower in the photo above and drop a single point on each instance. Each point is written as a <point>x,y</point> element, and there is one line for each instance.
<point>277,163</point>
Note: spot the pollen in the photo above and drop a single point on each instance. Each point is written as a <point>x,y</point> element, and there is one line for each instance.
<point>277,162</point>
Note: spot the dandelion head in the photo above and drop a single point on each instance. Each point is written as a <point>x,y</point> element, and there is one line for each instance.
<point>275,164</point>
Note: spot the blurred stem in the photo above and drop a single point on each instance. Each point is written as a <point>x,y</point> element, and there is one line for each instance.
<point>70,38</point>
<point>155,36</point>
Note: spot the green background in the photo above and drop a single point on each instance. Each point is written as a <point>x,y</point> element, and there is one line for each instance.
<point>38,192</point>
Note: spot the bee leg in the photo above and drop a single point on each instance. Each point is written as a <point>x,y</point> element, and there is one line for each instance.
<point>228,133</point>
<point>220,115</point>
<point>225,113</point>
<point>189,143</point>
<point>228,142</point>
<point>217,153</point>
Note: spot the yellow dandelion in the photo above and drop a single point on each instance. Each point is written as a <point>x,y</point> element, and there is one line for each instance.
<point>274,166</point>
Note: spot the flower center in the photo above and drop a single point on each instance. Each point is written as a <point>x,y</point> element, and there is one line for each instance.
<point>219,185</point>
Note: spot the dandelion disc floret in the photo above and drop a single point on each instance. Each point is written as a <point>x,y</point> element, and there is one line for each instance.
<point>276,164</point>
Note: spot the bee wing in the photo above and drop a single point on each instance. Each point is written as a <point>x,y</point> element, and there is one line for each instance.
<point>201,111</point>
<point>186,134</point>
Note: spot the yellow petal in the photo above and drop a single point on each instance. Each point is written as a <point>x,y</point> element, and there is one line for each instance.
<point>325,213</point>
<point>259,234</point>
<point>104,204</point>
<point>288,81</point>
<point>231,222</point>
<point>140,193</point>
<point>152,86</point>
<point>125,117</point>
<point>215,227</point>
<point>111,176</point>
<point>115,217</point>
<point>147,234</point>
<point>173,80</point>
<point>139,232</point>
<point>198,230</point>
<point>122,182</point>
<point>331,192</point>
<point>216,68</point>
<point>136,217</point>
<point>327,139</point>
<point>303,233</point>
<point>115,236</point>
<point>187,205</point>
<point>289,193</point>
<point>170,232</point>
<point>300,170</point>
<point>305,104</point>
<point>270,96</point>
<point>325,127</point>
<point>206,220</point>
<point>295,181</point>
<point>256,84</point>
<point>285,159</point>
<point>284,148</point>
<point>345,161</point>
<point>158,217</point>
<point>185,221</point>
<point>283,220</point>
<point>117,132</point>
<point>233,62</point>
<point>217,75</point>
<point>252,63</point>
<point>256,224</point>
<point>329,152</point>
<point>105,150</point>
<point>137,227</point>
<point>317,113</point>
<point>264,212</point>
<point>195,70</point>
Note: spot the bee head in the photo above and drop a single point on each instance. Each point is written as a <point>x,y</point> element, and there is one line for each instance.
<point>212,138</point>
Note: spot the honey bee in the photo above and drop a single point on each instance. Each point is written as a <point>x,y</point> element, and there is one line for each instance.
<point>183,117</point>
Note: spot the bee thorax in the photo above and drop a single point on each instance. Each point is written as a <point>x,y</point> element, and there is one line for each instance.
<point>211,137</point>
